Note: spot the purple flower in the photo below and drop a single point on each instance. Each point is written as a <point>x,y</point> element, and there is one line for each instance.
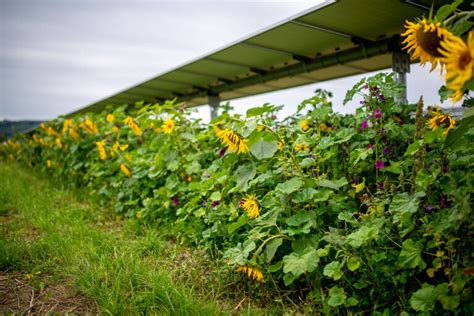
<point>366,86</point>
<point>362,102</point>
<point>364,124</point>
<point>444,202</point>
<point>222,152</point>
<point>215,203</point>
<point>376,113</point>
<point>382,98</point>
<point>386,151</point>
<point>204,203</point>
<point>430,208</point>
<point>175,201</point>
<point>444,168</point>
<point>370,146</point>
<point>380,186</point>
<point>379,164</point>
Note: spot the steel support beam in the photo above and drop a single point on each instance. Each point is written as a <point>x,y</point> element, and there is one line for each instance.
<point>340,58</point>
<point>401,66</point>
<point>214,101</point>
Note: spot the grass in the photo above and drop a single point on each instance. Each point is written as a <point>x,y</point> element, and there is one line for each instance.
<point>121,267</point>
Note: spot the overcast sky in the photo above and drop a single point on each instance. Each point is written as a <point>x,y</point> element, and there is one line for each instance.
<point>61,55</point>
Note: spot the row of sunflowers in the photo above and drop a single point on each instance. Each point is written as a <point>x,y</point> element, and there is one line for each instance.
<point>365,212</point>
<point>362,211</point>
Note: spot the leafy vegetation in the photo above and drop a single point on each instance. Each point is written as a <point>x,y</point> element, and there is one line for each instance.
<point>363,212</point>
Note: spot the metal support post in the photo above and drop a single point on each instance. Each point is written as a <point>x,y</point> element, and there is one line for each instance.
<point>401,66</point>
<point>214,102</point>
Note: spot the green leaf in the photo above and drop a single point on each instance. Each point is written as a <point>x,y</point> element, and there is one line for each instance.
<point>236,225</point>
<point>263,149</point>
<point>272,247</point>
<point>322,195</point>
<point>260,110</point>
<point>332,184</point>
<point>275,267</point>
<point>323,252</point>
<point>289,186</point>
<point>455,135</point>
<point>410,256</point>
<point>444,12</point>
<point>413,148</point>
<point>333,270</point>
<point>298,264</point>
<point>395,167</point>
<point>239,254</point>
<point>353,263</point>
<point>425,298</point>
<point>336,296</point>
<point>362,236</point>
<point>402,208</point>
<point>244,174</point>
<point>450,302</point>
<point>304,195</point>
<point>298,219</point>
<point>351,301</point>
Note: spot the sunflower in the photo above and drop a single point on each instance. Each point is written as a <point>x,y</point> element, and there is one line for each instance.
<point>133,125</point>
<point>459,62</point>
<point>423,41</point>
<point>250,205</point>
<point>304,124</point>
<point>168,126</point>
<point>110,118</point>
<point>68,123</point>
<point>302,147</point>
<point>125,170</point>
<point>48,163</point>
<point>232,140</point>
<point>439,119</point>
<point>102,152</point>
<point>58,142</point>
<point>252,273</point>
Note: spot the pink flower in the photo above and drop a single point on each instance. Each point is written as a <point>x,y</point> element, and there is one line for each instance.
<point>379,164</point>
<point>364,124</point>
<point>175,201</point>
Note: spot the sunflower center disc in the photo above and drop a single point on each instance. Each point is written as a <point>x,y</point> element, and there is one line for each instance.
<point>429,41</point>
<point>464,60</point>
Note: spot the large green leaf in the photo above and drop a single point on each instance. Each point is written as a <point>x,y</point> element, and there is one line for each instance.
<point>239,254</point>
<point>297,264</point>
<point>403,206</point>
<point>425,298</point>
<point>264,149</point>
<point>410,256</point>
<point>455,136</point>
<point>332,184</point>
<point>272,247</point>
<point>244,174</point>
<point>362,236</point>
<point>289,186</point>
<point>298,219</point>
<point>333,270</point>
<point>336,296</point>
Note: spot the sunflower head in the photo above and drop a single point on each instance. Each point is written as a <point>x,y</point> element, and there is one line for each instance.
<point>439,119</point>
<point>252,273</point>
<point>250,205</point>
<point>168,126</point>
<point>423,40</point>
<point>458,58</point>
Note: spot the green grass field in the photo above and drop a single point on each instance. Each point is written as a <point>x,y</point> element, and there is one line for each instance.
<point>49,237</point>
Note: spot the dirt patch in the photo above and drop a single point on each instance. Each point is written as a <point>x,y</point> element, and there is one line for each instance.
<point>20,295</point>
